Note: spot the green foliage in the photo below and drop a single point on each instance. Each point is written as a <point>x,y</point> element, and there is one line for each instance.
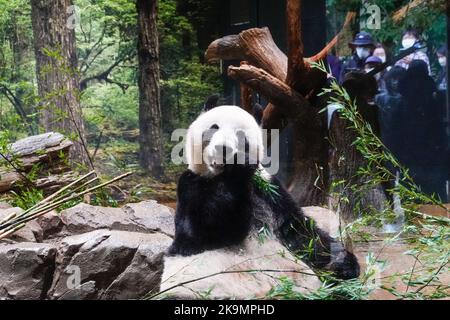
<point>185,81</point>
<point>26,198</point>
<point>264,185</point>
<point>109,109</point>
<point>345,290</point>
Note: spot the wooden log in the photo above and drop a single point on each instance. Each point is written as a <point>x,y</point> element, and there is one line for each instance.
<point>12,180</point>
<point>308,180</point>
<point>45,148</point>
<point>226,48</point>
<point>254,45</point>
<point>292,104</point>
<point>45,152</point>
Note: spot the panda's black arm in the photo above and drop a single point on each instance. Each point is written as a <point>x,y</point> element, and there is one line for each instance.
<point>185,243</point>
<point>301,234</point>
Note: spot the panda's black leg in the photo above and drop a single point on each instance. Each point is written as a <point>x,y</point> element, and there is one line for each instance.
<point>318,248</point>
<point>301,235</point>
<point>185,246</point>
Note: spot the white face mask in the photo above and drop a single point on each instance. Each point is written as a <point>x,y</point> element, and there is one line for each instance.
<point>383,58</point>
<point>408,43</point>
<point>443,62</point>
<point>362,53</point>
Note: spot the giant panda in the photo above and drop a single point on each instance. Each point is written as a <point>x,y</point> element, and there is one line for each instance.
<point>219,203</point>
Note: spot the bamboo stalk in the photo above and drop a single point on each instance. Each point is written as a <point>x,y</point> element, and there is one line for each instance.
<point>42,208</point>
<point>67,187</point>
<point>52,195</point>
<point>40,204</point>
<point>8,217</point>
<point>78,188</point>
<point>10,232</point>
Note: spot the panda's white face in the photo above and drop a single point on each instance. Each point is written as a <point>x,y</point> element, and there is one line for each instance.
<point>223,135</point>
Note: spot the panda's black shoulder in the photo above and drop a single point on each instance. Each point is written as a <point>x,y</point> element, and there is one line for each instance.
<point>189,184</point>
<point>188,177</point>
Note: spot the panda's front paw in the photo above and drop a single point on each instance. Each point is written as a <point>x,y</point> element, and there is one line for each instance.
<point>183,250</point>
<point>345,266</point>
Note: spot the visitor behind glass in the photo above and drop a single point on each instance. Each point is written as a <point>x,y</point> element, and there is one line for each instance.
<point>389,103</point>
<point>423,147</point>
<point>380,52</point>
<point>371,63</point>
<point>409,38</point>
<point>362,48</point>
<point>442,77</point>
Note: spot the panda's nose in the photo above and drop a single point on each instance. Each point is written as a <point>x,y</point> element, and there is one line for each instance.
<point>227,152</point>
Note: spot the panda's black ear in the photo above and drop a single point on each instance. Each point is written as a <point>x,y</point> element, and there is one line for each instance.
<point>258,113</point>
<point>211,102</point>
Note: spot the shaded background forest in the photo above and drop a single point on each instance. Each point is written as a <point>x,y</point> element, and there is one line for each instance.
<point>106,39</point>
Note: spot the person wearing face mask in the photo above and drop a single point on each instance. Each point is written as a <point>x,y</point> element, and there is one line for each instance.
<point>370,64</point>
<point>362,46</point>
<point>380,52</point>
<point>409,38</point>
<point>442,77</point>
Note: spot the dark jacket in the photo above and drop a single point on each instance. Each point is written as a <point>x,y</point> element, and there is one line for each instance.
<point>353,63</point>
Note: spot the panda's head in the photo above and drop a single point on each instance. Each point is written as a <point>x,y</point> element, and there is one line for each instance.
<point>222,137</point>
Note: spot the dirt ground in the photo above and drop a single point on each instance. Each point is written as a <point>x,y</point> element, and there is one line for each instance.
<point>397,263</point>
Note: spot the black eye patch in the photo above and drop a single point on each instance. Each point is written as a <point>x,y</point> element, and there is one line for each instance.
<point>207,135</point>
<point>243,144</point>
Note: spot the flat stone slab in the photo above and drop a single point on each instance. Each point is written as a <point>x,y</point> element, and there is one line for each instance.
<point>249,271</point>
<point>145,217</point>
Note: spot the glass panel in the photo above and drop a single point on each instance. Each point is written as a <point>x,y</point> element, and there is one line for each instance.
<point>239,12</point>
<point>408,39</point>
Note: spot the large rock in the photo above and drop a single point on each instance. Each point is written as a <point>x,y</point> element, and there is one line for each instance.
<point>32,232</point>
<point>120,264</point>
<point>145,217</point>
<point>26,270</point>
<point>4,205</point>
<point>225,273</point>
<point>152,216</point>
<point>51,224</point>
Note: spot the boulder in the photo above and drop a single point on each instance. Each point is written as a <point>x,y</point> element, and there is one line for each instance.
<point>140,278</point>
<point>243,272</point>
<point>109,259</point>
<point>4,205</point>
<point>26,270</point>
<point>145,217</point>
<point>51,224</point>
<point>32,232</point>
<point>152,216</point>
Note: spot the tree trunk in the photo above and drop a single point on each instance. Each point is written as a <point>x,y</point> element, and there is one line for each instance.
<point>57,74</point>
<point>151,146</point>
<point>346,160</point>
